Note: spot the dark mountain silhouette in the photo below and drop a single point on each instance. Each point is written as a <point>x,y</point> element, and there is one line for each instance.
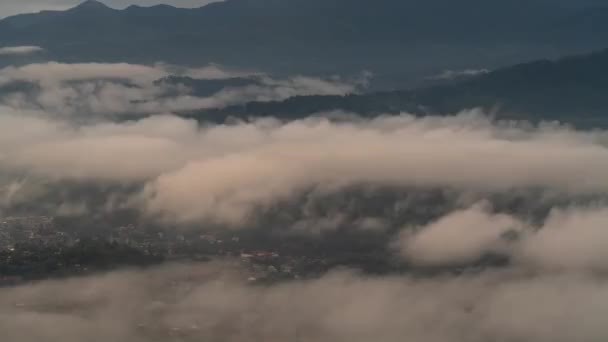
<point>572,90</point>
<point>398,37</point>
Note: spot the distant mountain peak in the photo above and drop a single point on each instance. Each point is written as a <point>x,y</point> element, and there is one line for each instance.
<point>92,5</point>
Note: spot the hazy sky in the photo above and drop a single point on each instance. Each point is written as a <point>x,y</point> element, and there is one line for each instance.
<point>11,7</point>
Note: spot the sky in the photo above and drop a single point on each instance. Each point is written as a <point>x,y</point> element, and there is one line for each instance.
<point>12,7</point>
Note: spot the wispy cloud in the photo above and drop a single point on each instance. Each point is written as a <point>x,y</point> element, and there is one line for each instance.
<point>454,74</point>
<point>114,89</point>
<point>19,50</point>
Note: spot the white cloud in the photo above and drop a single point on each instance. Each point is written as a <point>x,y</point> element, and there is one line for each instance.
<point>572,239</point>
<point>461,237</point>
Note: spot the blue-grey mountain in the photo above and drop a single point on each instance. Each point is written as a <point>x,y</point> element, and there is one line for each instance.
<point>403,38</point>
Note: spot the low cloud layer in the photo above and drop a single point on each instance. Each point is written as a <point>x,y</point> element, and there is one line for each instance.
<point>213,302</point>
<point>226,173</point>
<point>19,50</point>
<point>93,89</point>
<point>435,194</point>
<point>54,73</point>
<point>270,161</point>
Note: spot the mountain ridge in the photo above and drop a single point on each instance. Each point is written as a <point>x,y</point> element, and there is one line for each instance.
<point>570,90</point>
<point>92,5</point>
<point>414,38</point>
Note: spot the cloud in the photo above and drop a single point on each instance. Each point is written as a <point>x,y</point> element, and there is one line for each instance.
<point>214,302</point>
<point>462,237</point>
<point>208,72</point>
<point>54,73</point>
<point>276,161</point>
<point>112,89</point>
<point>304,172</point>
<point>570,239</point>
<point>19,50</point>
<point>184,171</point>
<point>123,153</point>
<point>455,74</point>
<point>227,173</point>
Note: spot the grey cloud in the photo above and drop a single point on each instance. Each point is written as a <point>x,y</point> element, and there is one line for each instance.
<point>214,302</point>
